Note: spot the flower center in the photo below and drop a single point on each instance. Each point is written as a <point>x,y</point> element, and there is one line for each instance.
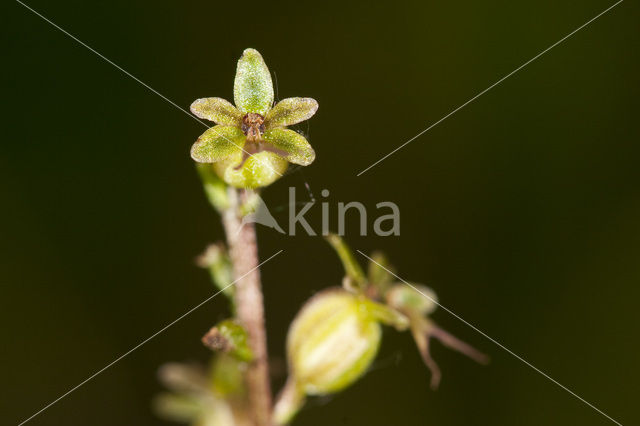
<point>253,126</point>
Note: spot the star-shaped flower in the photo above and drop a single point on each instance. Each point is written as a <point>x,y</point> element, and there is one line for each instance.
<point>250,146</point>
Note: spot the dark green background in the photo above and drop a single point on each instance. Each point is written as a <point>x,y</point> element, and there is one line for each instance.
<point>522,210</point>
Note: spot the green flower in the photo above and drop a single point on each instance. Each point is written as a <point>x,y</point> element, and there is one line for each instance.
<point>250,146</point>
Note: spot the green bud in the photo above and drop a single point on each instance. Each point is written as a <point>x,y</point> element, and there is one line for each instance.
<point>331,343</point>
<point>229,337</point>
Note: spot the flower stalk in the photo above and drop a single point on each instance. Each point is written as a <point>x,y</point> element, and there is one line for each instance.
<point>243,251</point>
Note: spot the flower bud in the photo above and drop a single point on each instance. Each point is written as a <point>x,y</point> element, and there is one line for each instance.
<point>229,337</point>
<point>331,343</point>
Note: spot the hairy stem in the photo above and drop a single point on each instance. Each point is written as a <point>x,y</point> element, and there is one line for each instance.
<point>243,249</point>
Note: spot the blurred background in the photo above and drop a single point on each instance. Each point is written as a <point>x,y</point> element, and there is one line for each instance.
<point>521,210</point>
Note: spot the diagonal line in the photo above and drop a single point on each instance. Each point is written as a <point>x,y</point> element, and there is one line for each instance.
<point>138,80</point>
<point>492,86</point>
<point>496,342</point>
<point>145,341</point>
<point>113,63</point>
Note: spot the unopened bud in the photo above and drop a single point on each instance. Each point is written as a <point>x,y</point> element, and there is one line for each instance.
<point>229,337</point>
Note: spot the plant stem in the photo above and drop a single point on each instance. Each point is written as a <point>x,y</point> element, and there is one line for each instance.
<point>243,250</point>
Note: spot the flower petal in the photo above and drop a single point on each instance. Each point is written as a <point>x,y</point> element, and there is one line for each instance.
<point>258,170</point>
<point>218,143</point>
<point>291,111</point>
<point>218,110</point>
<point>253,89</point>
<point>294,144</point>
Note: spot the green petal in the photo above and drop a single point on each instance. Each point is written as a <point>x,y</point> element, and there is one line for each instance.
<point>259,170</point>
<point>253,89</point>
<point>217,143</point>
<point>294,144</point>
<point>218,110</point>
<point>291,111</point>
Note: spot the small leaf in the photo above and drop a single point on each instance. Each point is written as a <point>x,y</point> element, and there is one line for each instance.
<point>258,170</point>
<point>291,111</point>
<point>218,143</point>
<point>296,147</point>
<point>218,110</point>
<point>253,89</point>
